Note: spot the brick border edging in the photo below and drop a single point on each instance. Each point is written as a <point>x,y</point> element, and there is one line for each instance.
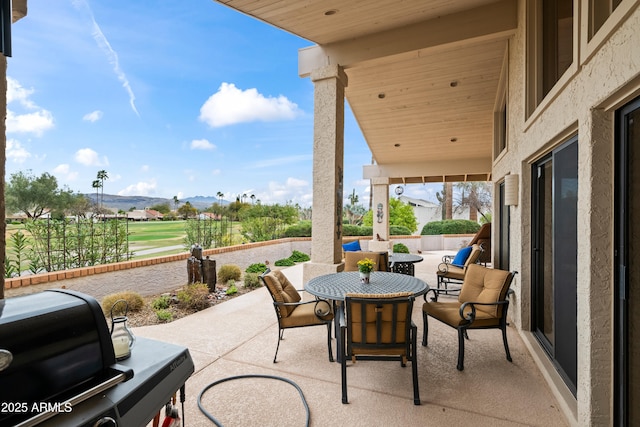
<point>36,279</point>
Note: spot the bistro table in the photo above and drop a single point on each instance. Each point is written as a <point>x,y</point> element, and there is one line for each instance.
<point>335,286</point>
<point>403,263</point>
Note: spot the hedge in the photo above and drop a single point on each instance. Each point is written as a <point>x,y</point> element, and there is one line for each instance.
<point>450,226</point>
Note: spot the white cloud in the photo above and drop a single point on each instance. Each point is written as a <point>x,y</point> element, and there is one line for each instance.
<point>202,144</point>
<point>29,121</point>
<point>93,116</point>
<point>293,189</point>
<point>16,152</point>
<point>231,105</point>
<point>88,157</point>
<point>139,189</point>
<point>64,172</point>
<point>144,168</point>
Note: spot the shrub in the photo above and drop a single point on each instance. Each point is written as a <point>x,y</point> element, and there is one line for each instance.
<point>298,256</point>
<point>164,315</point>
<point>356,230</point>
<point>232,289</point>
<point>195,296</point>
<point>450,226</point>
<point>134,300</point>
<point>229,272</point>
<point>301,229</point>
<point>400,248</point>
<point>251,280</point>
<point>256,268</point>
<point>399,230</point>
<point>161,303</point>
<point>285,262</point>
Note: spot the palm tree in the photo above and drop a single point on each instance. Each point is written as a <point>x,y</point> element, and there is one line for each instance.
<point>102,176</point>
<point>176,202</point>
<point>96,184</point>
<point>253,199</point>
<point>220,196</point>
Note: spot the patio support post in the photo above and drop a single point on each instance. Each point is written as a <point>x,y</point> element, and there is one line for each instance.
<point>380,205</point>
<point>328,163</point>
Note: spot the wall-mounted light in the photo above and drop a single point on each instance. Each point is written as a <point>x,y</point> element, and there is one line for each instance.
<point>511,189</point>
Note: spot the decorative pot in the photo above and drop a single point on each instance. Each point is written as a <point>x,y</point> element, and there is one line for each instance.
<point>364,277</point>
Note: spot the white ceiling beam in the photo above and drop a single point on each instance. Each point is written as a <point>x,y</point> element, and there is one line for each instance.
<point>403,171</point>
<point>494,21</point>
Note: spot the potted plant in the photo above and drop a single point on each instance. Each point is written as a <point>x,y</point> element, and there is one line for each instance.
<point>365,266</point>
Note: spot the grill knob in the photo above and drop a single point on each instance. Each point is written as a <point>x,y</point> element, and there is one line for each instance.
<point>106,422</point>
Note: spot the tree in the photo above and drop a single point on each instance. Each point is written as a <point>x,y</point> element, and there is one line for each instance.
<point>33,195</point>
<point>187,211</point>
<point>163,208</point>
<point>476,196</point>
<point>176,202</point>
<point>96,184</point>
<point>102,176</point>
<point>446,200</point>
<point>399,214</point>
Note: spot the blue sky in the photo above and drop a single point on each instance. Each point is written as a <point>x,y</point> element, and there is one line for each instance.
<point>170,98</point>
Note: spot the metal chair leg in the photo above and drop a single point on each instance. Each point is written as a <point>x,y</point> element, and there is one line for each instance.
<point>461,333</point>
<point>425,328</point>
<point>280,335</point>
<point>506,344</point>
<point>329,342</point>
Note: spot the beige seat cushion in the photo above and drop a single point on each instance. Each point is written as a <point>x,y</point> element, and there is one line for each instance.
<point>381,260</point>
<point>282,291</point>
<point>304,315</point>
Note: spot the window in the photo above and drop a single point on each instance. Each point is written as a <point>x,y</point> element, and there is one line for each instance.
<point>550,46</point>
<point>599,11</point>
<point>557,41</point>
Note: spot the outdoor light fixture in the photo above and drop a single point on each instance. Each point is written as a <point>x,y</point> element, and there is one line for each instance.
<point>511,190</point>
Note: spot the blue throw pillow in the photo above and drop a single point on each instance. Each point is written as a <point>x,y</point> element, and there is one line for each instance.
<point>461,256</point>
<point>352,246</point>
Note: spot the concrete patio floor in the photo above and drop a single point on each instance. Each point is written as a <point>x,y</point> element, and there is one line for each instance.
<point>239,338</point>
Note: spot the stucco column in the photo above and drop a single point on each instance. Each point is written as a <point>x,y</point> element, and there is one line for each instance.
<point>328,163</point>
<point>380,206</point>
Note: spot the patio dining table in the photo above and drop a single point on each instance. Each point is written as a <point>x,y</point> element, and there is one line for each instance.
<point>335,286</point>
<point>403,263</point>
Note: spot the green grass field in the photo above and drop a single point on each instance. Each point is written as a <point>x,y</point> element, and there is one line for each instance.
<point>144,236</point>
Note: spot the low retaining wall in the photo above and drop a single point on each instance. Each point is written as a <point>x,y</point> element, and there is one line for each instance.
<point>153,275</point>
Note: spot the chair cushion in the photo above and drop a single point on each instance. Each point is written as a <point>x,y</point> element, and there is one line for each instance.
<point>486,285</point>
<point>452,272</point>
<point>351,246</point>
<point>303,315</point>
<point>281,290</point>
<point>461,257</point>
<point>449,313</point>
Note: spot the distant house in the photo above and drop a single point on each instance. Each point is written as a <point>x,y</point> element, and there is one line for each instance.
<point>426,211</point>
<point>209,215</point>
<point>144,215</point>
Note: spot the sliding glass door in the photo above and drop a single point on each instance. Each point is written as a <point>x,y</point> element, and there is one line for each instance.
<point>627,271</point>
<point>554,257</point>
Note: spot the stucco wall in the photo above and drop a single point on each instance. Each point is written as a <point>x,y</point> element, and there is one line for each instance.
<point>583,104</point>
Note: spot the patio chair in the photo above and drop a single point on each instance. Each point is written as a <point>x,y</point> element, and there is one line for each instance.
<point>380,258</point>
<point>452,269</point>
<point>292,312</point>
<point>378,327</point>
<point>483,238</point>
<point>482,304</point>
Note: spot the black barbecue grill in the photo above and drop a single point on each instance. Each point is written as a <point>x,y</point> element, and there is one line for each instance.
<point>58,368</point>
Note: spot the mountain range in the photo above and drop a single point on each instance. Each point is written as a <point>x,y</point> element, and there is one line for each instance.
<point>125,203</point>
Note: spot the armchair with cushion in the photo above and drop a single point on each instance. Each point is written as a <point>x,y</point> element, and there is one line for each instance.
<point>380,258</point>
<point>378,327</point>
<point>482,304</point>
<point>452,270</point>
<point>292,312</point>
